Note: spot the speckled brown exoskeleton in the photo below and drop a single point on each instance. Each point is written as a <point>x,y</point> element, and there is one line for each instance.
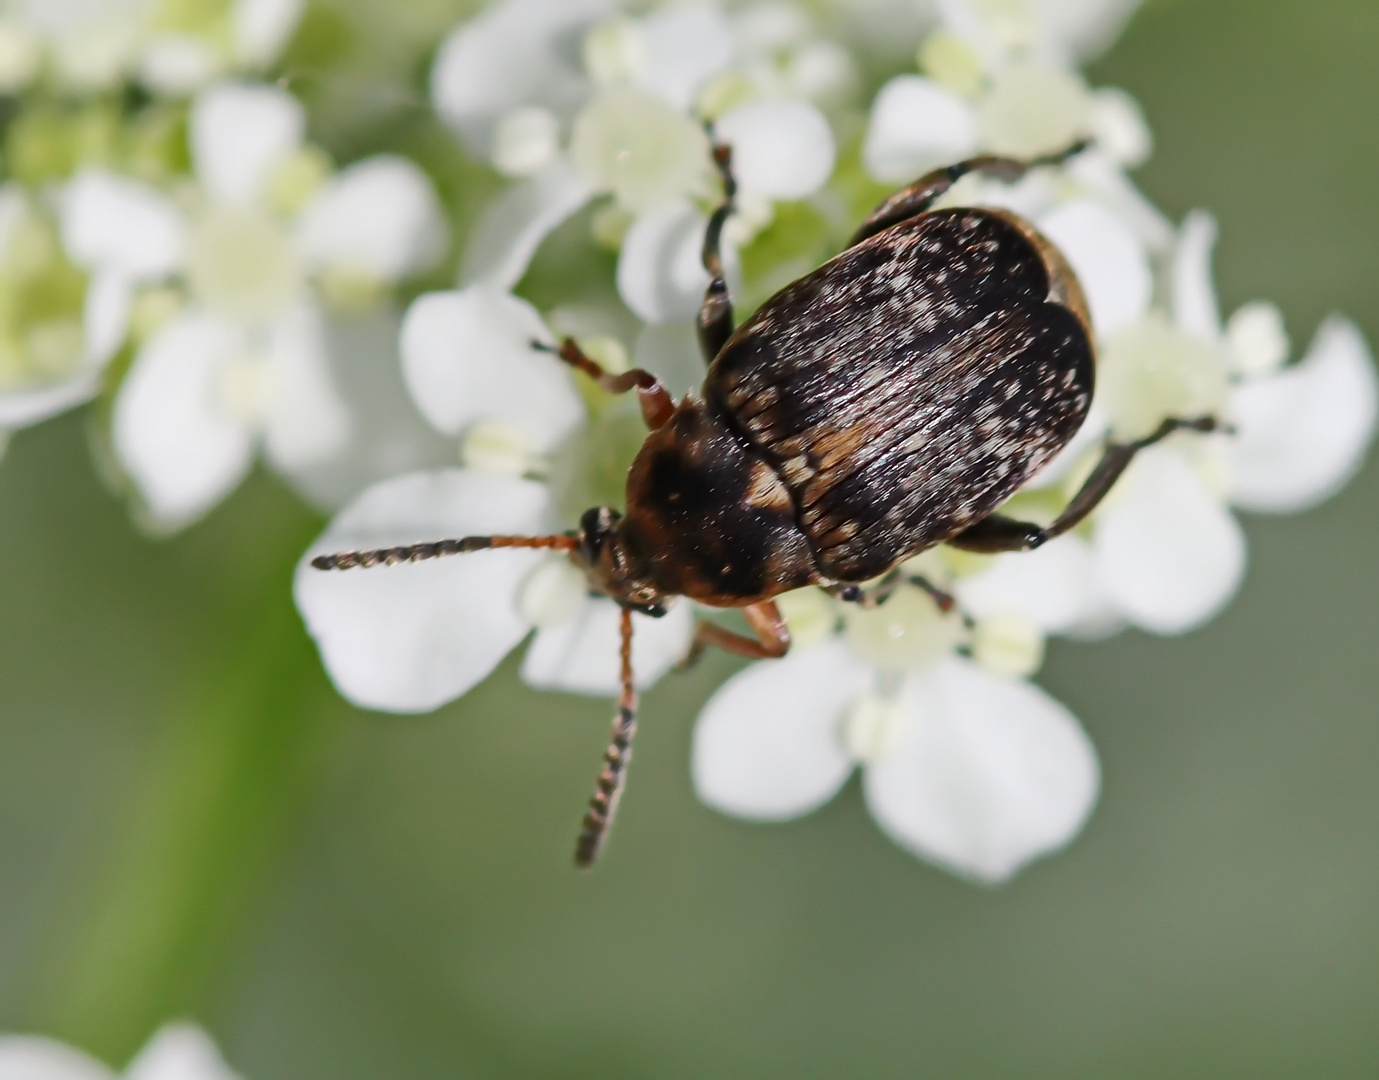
<point>889,401</point>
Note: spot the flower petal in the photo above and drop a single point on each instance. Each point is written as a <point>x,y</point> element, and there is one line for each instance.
<point>683,48</point>
<point>1110,262</point>
<point>262,29</point>
<point>510,228</point>
<point>409,638</point>
<point>240,132</point>
<point>1302,433</point>
<point>307,421</point>
<point>581,655</point>
<point>21,408</point>
<point>660,275</point>
<point>1055,587</point>
<point>468,356</point>
<point>31,1057</point>
<point>1194,295</point>
<point>380,214</point>
<point>992,773</point>
<point>1100,176</point>
<point>519,52</point>
<point>179,1052</point>
<point>916,124</point>
<point>781,149</point>
<point>767,746</point>
<point>183,451</point>
<point>113,223</point>
<point>105,316</point>
<point>388,435</point>
<point>1169,552</point>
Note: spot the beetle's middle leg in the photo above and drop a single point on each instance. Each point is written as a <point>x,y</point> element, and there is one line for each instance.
<point>714,324</point>
<point>771,640</point>
<point>996,533</point>
<point>652,395</point>
<point>930,187</point>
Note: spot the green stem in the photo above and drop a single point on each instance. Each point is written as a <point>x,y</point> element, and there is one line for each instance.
<point>203,836</point>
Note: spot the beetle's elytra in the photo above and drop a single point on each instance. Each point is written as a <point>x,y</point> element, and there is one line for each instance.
<point>889,401</point>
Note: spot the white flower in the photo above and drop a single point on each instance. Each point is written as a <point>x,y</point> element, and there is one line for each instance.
<point>1166,551</point>
<point>58,330</point>
<point>263,236</point>
<point>973,769</point>
<point>622,123</point>
<point>171,48</point>
<point>999,79</point>
<point>176,1052</point>
<point>411,637</point>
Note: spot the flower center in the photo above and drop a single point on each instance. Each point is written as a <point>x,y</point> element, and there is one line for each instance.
<point>242,265</point>
<point>1034,109</point>
<point>906,632</point>
<point>1152,371</point>
<point>497,447</point>
<point>41,298</point>
<point>638,147</point>
<point>247,388</point>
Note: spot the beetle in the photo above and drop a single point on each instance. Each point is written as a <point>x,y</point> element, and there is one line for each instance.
<point>887,402</point>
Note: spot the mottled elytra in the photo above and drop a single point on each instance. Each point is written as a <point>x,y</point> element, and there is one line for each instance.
<point>889,401</point>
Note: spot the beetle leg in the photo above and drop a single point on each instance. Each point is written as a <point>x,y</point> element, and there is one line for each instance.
<point>996,533</point>
<point>945,601</point>
<point>714,324</point>
<point>655,400</point>
<point>613,776</point>
<point>925,191</point>
<point>772,638</point>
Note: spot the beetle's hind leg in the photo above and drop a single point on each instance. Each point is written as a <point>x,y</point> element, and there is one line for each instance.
<point>655,400</point>
<point>930,187</point>
<point>598,819</point>
<point>714,324</point>
<point>771,636</point>
<point>997,533</point>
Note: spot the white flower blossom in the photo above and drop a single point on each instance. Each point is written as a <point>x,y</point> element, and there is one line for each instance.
<point>625,122</point>
<point>1168,552</point>
<point>265,234</point>
<point>411,637</point>
<point>169,46</point>
<point>964,762</point>
<point>59,329</point>
<point>176,1052</point>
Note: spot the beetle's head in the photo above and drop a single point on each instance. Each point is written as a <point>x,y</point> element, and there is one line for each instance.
<point>612,569</point>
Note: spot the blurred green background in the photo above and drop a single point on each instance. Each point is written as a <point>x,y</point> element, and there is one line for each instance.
<point>191,824</point>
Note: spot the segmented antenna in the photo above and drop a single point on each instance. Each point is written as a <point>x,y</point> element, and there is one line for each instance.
<point>347,560</point>
<point>608,788</point>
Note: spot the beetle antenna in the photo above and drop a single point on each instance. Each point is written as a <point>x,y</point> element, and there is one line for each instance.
<point>608,788</point>
<point>391,556</point>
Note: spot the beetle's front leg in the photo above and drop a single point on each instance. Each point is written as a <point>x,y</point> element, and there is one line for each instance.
<point>772,638</point>
<point>715,321</point>
<point>996,533</point>
<point>930,187</point>
<point>652,395</point>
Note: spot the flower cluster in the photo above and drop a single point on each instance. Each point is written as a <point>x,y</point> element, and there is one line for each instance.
<point>167,46</point>
<point>228,294</point>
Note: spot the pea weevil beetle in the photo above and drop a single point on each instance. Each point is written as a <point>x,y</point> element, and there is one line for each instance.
<point>889,401</point>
